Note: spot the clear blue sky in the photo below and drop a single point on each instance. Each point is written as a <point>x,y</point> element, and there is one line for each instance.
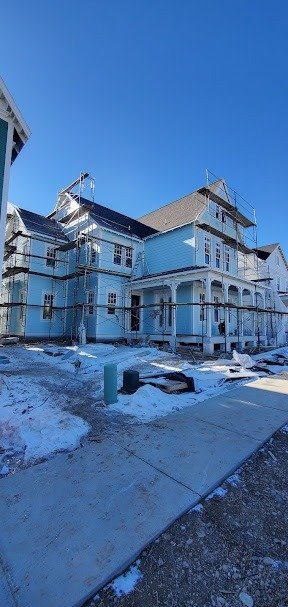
<point>146,94</point>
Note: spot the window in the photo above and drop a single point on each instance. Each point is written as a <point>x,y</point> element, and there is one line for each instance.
<point>278,283</point>
<point>90,302</point>
<point>217,255</point>
<point>201,308</point>
<point>112,300</point>
<point>128,257</point>
<point>48,306</point>
<point>51,254</point>
<point>216,310</point>
<point>227,259</point>
<point>223,217</point>
<point>117,254</point>
<point>92,254</point>
<point>207,250</point>
<point>217,212</point>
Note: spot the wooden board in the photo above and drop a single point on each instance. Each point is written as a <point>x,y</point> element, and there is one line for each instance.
<point>166,385</point>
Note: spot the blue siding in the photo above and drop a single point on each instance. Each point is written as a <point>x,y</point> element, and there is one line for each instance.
<point>171,250</point>
<point>3,145</point>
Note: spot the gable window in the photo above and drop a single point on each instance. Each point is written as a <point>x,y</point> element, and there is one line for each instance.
<point>217,255</point>
<point>48,306</point>
<point>201,307</point>
<point>217,212</point>
<point>216,310</point>
<point>128,257</point>
<point>207,250</point>
<point>50,257</point>
<point>117,254</point>
<point>90,302</point>
<point>278,283</point>
<point>227,260</point>
<point>112,300</point>
<point>223,217</point>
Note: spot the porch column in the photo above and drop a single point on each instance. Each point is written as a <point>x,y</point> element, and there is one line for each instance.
<point>226,313</point>
<point>208,297</point>
<point>173,287</point>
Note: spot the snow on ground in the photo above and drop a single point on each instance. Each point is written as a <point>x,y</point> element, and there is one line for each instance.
<point>124,584</point>
<point>34,425</point>
<point>31,424</point>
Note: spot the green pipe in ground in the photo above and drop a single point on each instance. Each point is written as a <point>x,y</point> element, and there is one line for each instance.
<point>110,384</point>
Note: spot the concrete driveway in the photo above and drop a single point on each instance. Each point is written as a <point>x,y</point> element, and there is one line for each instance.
<point>72,523</point>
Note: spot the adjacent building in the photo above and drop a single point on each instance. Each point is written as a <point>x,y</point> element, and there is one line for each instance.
<point>14,133</point>
<point>189,273</point>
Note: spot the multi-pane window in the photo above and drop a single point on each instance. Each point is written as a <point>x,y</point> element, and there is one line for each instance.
<point>112,300</point>
<point>201,307</point>
<point>207,250</point>
<point>128,257</point>
<point>90,302</point>
<point>117,254</point>
<point>216,310</point>
<point>217,255</point>
<point>92,254</point>
<point>217,212</point>
<point>48,306</point>
<point>50,257</point>
<point>227,259</point>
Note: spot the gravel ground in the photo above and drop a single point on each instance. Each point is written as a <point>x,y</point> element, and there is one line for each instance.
<point>231,551</point>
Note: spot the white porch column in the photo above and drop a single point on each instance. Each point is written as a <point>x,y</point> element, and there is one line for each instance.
<point>208,297</point>
<point>226,312</point>
<point>173,287</point>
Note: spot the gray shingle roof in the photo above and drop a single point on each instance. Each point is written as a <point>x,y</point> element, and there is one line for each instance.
<point>42,225</point>
<point>176,213</point>
<point>268,248</point>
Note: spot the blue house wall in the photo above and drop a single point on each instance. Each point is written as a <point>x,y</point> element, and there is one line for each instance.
<point>170,250</point>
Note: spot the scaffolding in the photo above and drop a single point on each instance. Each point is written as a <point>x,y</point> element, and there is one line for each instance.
<point>128,313</point>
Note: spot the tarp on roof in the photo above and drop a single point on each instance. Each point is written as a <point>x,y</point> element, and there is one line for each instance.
<point>41,225</point>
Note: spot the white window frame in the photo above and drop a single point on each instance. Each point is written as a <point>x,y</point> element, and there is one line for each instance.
<point>112,297</point>
<point>217,211</point>
<point>227,259</point>
<point>207,250</point>
<point>117,254</point>
<point>90,303</point>
<point>218,255</point>
<point>128,257</point>
<point>48,297</point>
<point>50,257</point>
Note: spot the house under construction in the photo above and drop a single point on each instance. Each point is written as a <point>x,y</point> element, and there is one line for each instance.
<point>190,272</point>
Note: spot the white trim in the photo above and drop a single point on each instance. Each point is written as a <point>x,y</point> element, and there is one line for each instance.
<point>14,113</point>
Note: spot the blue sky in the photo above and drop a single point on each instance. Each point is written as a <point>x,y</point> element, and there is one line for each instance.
<point>145,95</point>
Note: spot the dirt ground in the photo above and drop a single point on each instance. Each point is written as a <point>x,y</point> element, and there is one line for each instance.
<point>233,552</point>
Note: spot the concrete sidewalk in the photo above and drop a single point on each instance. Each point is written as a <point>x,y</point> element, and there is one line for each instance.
<point>72,523</point>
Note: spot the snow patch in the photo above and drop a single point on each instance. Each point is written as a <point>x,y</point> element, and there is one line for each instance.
<point>218,492</point>
<point>197,508</point>
<point>124,584</point>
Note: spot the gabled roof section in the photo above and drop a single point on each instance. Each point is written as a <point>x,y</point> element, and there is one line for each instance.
<point>41,225</point>
<point>218,192</point>
<point>265,251</point>
<point>177,213</point>
<point>107,218</point>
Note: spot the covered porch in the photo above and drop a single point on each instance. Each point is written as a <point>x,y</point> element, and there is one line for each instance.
<point>204,308</point>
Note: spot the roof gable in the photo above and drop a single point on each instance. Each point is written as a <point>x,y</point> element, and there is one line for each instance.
<point>174,214</point>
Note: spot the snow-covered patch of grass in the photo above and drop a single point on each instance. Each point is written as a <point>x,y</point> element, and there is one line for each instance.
<point>124,584</point>
<point>234,479</point>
